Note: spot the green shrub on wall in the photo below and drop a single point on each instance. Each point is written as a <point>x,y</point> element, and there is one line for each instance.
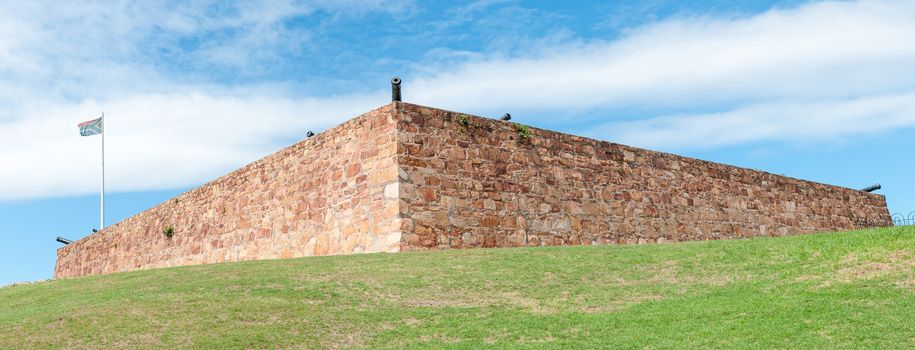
<point>464,120</point>
<point>524,131</point>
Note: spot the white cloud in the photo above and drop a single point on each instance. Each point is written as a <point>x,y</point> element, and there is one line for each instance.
<point>114,49</point>
<point>782,121</point>
<point>63,63</point>
<point>816,51</point>
<point>157,141</point>
<point>818,71</point>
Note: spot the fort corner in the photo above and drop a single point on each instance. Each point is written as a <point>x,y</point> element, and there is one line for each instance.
<point>408,177</point>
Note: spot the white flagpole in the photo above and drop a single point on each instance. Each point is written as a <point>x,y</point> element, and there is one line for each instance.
<point>102,220</point>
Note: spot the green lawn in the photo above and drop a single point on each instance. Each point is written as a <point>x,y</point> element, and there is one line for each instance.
<point>836,290</point>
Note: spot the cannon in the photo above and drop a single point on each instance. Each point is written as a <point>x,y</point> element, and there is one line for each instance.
<point>871,188</point>
<point>64,240</point>
<point>395,89</point>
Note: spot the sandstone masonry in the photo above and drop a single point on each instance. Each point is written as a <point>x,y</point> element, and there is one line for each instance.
<point>476,182</point>
<point>322,196</point>
<point>408,177</point>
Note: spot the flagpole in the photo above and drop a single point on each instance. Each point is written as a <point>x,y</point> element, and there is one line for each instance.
<point>102,219</point>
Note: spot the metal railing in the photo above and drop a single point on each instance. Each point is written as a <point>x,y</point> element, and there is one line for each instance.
<point>904,220</point>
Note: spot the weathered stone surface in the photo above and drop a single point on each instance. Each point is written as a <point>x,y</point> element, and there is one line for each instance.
<point>407,177</point>
<point>325,195</point>
<point>555,188</point>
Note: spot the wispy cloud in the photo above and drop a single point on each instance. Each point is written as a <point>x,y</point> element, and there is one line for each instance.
<point>798,121</point>
<point>823,50</point>
<point>112,49</point>
<point>816,71</point>
<point>157,141</point>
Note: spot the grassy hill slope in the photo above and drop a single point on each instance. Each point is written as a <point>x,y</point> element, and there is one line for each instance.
<point>847,290</point>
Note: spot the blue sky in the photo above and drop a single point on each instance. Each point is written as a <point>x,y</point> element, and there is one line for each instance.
<point>823,91</point>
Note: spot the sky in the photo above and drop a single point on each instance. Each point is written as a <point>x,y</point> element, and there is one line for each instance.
<point>818,90</point>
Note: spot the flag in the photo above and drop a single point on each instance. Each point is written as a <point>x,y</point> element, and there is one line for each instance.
<point>92,127</point>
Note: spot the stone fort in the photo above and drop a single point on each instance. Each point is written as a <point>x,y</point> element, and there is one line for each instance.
<point>407,177</point>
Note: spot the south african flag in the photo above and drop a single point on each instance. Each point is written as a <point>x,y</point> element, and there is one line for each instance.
<point>92,127</point>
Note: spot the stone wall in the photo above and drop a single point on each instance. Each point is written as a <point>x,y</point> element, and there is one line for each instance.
<point>322,196</point>
<point>408,177</point>
<point>473,182</point>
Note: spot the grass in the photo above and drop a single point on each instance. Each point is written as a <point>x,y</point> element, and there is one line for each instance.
<point>837,290</point>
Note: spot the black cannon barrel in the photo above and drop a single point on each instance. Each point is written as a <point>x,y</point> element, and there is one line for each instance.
<point>871,188</point>
<point>64,240</point>
<point>395,89</point>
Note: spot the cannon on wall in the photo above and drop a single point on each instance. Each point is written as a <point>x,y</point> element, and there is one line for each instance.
<point>395,89</point>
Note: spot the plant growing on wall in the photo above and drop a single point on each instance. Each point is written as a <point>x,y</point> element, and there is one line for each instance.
<point>464,120</point>
<point>524,131</point>
<point>169,232</point>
